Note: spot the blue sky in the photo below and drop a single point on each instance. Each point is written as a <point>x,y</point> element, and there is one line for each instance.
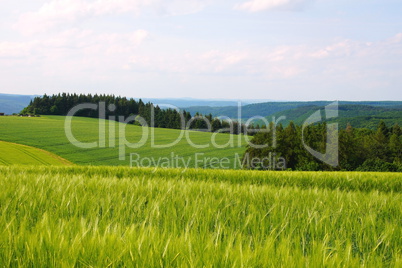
<point>241,49</point>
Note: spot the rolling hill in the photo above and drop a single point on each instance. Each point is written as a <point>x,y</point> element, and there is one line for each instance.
<point>48,133</point>
<point>275,108</point>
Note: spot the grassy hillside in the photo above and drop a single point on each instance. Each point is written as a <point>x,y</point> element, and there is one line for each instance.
<point>48,133</point>
<point>122,217</point>
<point>17,154</point>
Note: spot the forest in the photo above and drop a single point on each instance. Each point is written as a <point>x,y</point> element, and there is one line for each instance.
<point>359,149</point>
<point>61,104</point>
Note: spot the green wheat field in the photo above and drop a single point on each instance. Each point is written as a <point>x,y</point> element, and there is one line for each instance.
<point>125,217</point>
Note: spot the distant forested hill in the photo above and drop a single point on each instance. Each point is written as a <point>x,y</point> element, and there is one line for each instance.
<point>10,104</point>
<point>275,108</point>
<point>359,116</point>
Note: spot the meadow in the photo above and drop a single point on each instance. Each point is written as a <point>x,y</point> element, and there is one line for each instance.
<point>48,133</point>
<point>119,216</point>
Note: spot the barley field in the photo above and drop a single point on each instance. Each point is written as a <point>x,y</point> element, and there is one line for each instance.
<point>126,217</point>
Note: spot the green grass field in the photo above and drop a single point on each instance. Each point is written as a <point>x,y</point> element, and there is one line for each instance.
<point>122,217</point>
<point>17,154</point>
<point>48,133</point>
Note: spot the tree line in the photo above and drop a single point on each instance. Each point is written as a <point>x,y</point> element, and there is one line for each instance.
<point>151,114</point>
<point>360,149</point>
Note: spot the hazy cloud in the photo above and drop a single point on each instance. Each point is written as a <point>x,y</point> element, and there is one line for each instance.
<point>88,49</point>
<point>59,12</point>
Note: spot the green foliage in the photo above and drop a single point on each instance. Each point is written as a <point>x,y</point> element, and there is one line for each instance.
<point>379,165</point>
<point>359,149</point>
<point>122,217</point>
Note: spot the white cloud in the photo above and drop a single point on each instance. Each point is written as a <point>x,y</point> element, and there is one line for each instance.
<point>261,5</point>
<point>88,50</point>
<point>73,53</point>
<point>218,61</point>
<point>86,56</point>
<point>343,48</point>
<point>60,12</point>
